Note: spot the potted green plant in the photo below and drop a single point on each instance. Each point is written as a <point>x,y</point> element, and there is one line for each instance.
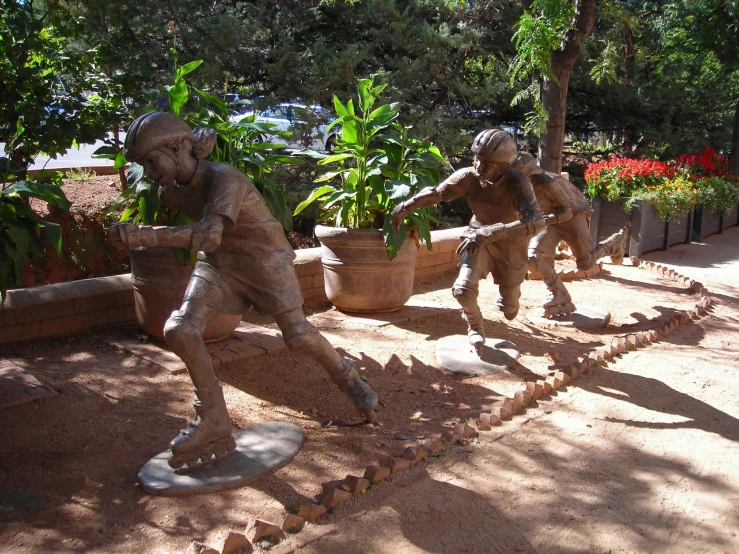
<point>375,165</point>
<point>160,275</point>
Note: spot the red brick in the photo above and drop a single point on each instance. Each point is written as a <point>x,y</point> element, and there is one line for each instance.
<point>546,385</point>
<point>376,473</point>
<point>528,394</point>
<point>334,497</point>
<point>553,382</point>
<point>518,405</point>
<point>632,342</point>
<point>483,423</point>
<point>433,446</point>
<point>355,485</point>
<point>396,465</point>
<point>256,529</point>
<point>416,453</point>
<point>538,390</point>
<point>449,438</point>
<point>235,542</point>
<point>506,409</point>
<point>469,432</point>
<point>311,512</point>
<point>563,377</point>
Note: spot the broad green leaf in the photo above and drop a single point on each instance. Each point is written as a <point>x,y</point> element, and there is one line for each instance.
<point>329,175</point>
<point>9,167</point>
<point>332,200</point>
<point>105,152</point>
<point>134,174</point>
<point>365,94</point>
<point>185,69</point>
<point>287,160</point>
<point>422,224</point>
<point>217,102</point>
<point>349,132</point>
<point>339,107</point>
<point>393,241</point>
<point>398,189</point>
<point>178,96</point>
<point>120,161</point>
<point>334,158</point>
<point>54,232</point>
<point>52,194</point>
<point>317,193</point>
<point>20,240</point>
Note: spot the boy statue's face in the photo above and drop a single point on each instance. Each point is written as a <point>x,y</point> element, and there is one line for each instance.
<point>489,172</point>
<point>160,165</point>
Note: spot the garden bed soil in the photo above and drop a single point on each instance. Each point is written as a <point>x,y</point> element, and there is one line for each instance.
<point>69,464</point>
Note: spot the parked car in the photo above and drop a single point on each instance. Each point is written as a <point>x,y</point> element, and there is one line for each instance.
<point>308,125</point>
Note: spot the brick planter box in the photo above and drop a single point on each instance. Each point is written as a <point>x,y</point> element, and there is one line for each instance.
<point>646,231</point>
<point>53,310</point>
<point>706,223</point>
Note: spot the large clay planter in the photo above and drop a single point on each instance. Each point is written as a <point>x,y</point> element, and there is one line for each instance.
<point>159,282</point>
<point>357,273</point>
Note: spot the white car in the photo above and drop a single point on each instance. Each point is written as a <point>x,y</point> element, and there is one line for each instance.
<point>308,125</point>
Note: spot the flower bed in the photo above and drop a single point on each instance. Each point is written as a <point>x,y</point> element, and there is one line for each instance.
<point>666,192</point>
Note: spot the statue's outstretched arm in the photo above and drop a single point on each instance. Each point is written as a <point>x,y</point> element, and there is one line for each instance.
<point>204,235</point>
<point>425,199</point>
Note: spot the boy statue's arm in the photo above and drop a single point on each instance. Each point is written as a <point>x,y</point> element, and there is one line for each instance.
<point>204,235</point>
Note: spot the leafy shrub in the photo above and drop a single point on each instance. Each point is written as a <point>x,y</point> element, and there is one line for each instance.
<point>375,166</point>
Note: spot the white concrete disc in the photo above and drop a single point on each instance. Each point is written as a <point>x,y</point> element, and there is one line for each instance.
<point>584,317</point>
<point>457,355</point>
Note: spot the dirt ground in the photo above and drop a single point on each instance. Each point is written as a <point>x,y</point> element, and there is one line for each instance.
<point>635,457</point>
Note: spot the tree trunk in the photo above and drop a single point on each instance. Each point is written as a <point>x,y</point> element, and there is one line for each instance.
<point>551,143</point>
<point>734,156</point>
<point>554,92</point>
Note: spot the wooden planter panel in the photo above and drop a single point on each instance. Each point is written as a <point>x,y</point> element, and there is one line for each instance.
<point>647,231</point>
<point>733,218</point>
<point>705,223</point>
<point>678,231</point>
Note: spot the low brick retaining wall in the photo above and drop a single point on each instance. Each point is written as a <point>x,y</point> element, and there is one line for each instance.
<point>53,310</point>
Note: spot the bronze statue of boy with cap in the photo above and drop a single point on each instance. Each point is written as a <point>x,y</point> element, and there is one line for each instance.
<point>244,260</point>
<point>504,207</point>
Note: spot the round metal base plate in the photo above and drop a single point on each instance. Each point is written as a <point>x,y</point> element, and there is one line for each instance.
<point>260,450</point>
<point>457,355</point>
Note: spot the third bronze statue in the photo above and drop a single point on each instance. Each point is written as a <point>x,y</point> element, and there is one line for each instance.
<point>244,260</point>
<point>570,211</point>
<point>505,216</point>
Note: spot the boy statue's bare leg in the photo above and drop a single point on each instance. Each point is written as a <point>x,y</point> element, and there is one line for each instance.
<point>209,434</point>
<point>466,290</point>
<point>300,336</point>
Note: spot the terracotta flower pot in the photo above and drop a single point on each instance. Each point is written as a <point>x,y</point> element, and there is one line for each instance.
<point>357,273</point>
<point>159,282</point>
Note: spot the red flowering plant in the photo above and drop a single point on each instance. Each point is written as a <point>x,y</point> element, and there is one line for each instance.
<point>611,179</point>
<point>710,173</point>
<point>671,187</point>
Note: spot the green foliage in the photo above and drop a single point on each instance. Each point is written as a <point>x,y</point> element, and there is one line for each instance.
<point>718,195</point>
<point>20,228</point>
<point>240,144</point>
<point>540,31</point>
<point>45,76</point>
<point>375,166</point>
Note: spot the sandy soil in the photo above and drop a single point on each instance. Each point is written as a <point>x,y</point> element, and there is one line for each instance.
<point>70,463</point>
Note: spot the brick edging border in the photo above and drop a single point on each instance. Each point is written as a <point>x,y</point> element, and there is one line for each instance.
<point>337,492</point>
